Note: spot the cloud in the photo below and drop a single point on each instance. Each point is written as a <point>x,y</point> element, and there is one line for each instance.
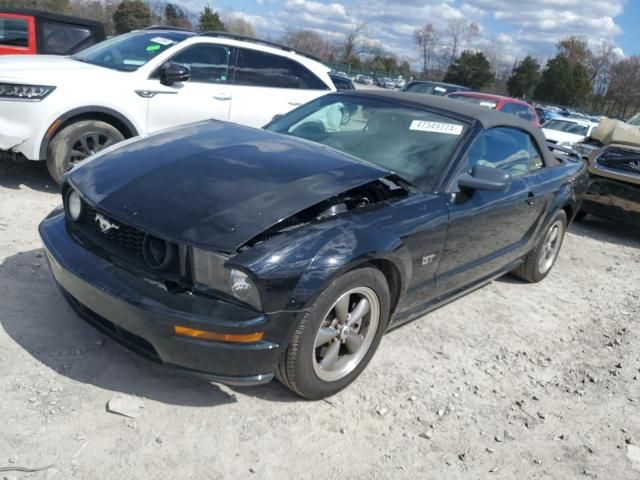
<point>514,27</point>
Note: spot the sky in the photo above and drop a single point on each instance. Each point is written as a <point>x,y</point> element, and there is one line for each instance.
<point>514,28</point>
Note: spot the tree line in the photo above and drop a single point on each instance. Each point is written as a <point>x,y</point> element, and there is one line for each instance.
<point>594,79</point>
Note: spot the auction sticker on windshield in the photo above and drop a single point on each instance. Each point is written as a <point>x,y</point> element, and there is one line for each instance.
<point>162,41</point>
<point>436,127</point>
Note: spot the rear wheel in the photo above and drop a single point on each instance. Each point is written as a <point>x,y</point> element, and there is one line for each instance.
<point>338,335</point>
<point>78,141</point>
<point>538,263</point>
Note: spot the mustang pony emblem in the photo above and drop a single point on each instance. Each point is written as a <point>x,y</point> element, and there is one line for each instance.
<point>104,224</point>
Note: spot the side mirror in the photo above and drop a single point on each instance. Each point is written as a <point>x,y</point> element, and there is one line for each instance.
<point>485,178</point>
<point>174,73</point>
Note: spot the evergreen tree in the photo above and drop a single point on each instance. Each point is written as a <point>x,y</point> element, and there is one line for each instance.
<point>210,21</point>
<point>131,15</point>
<point>524,78</point>
<point>470,69</point>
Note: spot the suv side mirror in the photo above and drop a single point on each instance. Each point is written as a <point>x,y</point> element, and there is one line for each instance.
<point>485,178</point>
<point>174,73</point>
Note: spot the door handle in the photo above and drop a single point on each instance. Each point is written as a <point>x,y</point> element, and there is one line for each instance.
<point>531,198</point>
<point>295,104</point>
<point>222,97</point>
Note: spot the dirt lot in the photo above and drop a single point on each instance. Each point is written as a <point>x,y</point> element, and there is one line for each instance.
<point>513,381</point>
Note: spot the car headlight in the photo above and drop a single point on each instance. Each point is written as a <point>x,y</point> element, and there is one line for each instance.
<point>32,93</point>
<point>209,272</point>
<point>74,205</point>
<point>243,288</point>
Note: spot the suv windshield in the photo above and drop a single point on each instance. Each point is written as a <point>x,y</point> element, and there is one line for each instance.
<point>416,144</point>
<point>130,51</point>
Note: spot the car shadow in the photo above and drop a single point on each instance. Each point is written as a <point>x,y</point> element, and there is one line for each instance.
<point>33,175</point>
<point>35,315</point>
<point>608,231</point>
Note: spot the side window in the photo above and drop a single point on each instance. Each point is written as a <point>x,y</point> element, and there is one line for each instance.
<point>14,32</point>
<point>507,149</point>
<point>61,38</point>
<point>509,108</point>
<point>260,69</point>
<point>208,63</point>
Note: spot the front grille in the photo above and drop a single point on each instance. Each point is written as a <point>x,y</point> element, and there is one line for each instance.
<point>124,238</point>
<point>117,240</point>
<point>620,160</point>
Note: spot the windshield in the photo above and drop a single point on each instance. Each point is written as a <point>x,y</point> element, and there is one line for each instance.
<point>483,102</point>
<point>429,89</point>
<point>635,120</point>
<point>568,127</point>
<point>416,144</point>
<point>130,51</point>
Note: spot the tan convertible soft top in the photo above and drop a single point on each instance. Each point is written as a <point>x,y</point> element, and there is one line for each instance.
<point>615,132</point>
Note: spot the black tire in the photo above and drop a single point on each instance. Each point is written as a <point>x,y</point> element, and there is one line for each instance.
<point>580,216</point>
<point>58,153</point>
<point>296,368</point>
<point>530,270</point>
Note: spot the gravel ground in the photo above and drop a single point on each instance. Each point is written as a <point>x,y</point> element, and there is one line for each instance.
<point>513,381</point>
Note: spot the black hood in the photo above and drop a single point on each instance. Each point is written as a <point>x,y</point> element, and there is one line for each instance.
<point>215,185</point>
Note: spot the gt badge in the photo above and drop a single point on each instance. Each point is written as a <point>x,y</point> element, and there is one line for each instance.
<point>428,260</point>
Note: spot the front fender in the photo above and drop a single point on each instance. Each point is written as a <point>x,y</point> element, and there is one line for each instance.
<point>346,250</point>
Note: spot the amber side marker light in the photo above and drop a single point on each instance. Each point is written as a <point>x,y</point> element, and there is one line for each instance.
<point>218,337</point>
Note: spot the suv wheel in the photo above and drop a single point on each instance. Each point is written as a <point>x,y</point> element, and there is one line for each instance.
<point>78,141</point>
<point>538,263</point>
<point>338,335</point>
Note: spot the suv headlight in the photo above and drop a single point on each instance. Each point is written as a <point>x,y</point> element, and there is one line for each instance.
<point>209,272</point>
<point>33,93</point>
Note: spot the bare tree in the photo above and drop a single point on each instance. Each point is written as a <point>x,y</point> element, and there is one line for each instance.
<point>460,33</point>
<point>426,39</point>
<point>354,43</point>
<point>239,26</point>
<point>624,88</point>
<point>602,61</point>
<point>310,42</point>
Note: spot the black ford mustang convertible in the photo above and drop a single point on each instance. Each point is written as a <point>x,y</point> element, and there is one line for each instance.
<point>238,254</point>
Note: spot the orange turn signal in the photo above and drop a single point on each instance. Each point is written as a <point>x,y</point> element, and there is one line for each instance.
<point>218,337</point>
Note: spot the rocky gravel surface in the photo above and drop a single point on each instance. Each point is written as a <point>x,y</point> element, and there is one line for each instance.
<point>513,381</point>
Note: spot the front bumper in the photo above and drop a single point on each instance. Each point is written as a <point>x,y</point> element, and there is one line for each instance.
<point>613,199</point>
<point>23,126</point>
<point>140,314</point>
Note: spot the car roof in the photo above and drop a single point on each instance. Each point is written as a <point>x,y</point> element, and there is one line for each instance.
<point>444,84</point>
<point>490,96</point>
<point>52,16</point>
<point>487,117</point>
<point>579,121</point>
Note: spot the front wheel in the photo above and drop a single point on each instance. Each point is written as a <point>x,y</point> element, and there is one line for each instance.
<point>78,141</point>
<point>338,335</point>
<point>538,263</point>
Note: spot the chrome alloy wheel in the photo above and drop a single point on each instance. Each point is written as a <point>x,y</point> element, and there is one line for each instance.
<point>551,247</point>
<point>346,334</point>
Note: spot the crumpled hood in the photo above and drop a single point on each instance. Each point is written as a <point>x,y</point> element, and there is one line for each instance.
<point>215,185</point>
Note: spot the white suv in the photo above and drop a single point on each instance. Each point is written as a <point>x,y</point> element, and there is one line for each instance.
<point>64,109</point>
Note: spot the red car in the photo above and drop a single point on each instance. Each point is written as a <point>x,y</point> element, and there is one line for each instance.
<point>512,106</point>
<point>25,31</point>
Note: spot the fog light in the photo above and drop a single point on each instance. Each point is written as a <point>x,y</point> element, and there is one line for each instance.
<point>74,205</point>
<point>218,337</point>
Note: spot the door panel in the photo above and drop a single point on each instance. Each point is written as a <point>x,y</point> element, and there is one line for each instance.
<point>265,85</point>
<point>207,95</point>
<point>490,230</point>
